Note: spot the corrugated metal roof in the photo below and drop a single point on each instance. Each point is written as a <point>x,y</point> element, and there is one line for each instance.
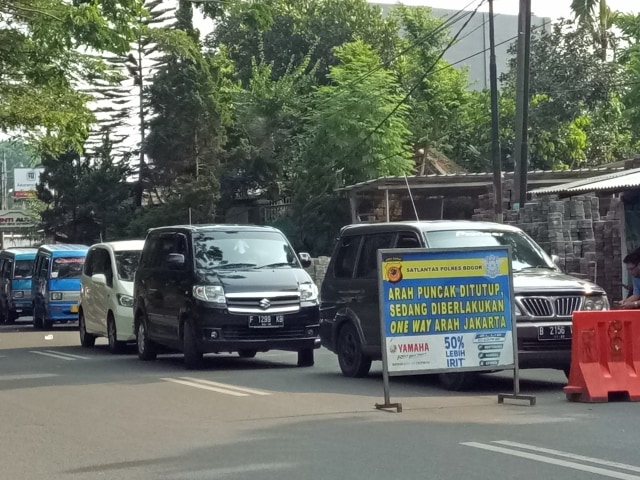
<point>612,181</point>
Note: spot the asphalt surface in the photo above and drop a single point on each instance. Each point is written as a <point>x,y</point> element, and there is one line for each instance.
<point>69,412</point>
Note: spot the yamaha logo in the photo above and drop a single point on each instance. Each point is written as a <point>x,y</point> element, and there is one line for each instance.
<point>265,304</point>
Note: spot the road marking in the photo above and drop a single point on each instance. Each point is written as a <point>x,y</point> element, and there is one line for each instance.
<point>216,387</point>
<point>59,355</point>
<point>554,461</point>
<point>205,387</point>
<point>27,376</point>
<point>226,386</point>
<point>72,355</point>
<point>558,453</point>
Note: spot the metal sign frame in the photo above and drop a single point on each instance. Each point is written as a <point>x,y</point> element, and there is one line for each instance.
<point>456,257</point>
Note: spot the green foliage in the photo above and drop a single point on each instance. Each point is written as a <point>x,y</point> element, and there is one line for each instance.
<point>630,59</point>
<point>284,32</point>
<point>41,61</point>
<point>190,101</point>
<point>86,198</point>
<point>350,135</point>
<point>574,94</point>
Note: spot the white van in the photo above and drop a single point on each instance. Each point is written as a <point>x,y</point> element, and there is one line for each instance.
<point>106,295</point>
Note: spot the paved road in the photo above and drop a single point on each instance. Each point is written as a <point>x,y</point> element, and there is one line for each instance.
<point>73,413</point>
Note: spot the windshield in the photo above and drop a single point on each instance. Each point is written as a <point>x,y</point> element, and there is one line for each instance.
<point>525,253</point>
<point>238,249</point>
<point>67,267</point>
<point>127,263</point>
<point>23,268</point>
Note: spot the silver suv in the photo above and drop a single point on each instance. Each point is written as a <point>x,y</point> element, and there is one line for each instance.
<point>545,298</point>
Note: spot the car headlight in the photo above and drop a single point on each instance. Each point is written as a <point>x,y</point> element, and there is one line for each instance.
<point>210,294</point>
<point>56,296</point>
<point>308,293</point>
<point>125,300</point>
<point>18,294</point>
<point>518,310</point>
<point>595,303</point>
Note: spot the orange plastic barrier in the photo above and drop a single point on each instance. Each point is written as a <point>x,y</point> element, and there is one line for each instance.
<point>605,356</point>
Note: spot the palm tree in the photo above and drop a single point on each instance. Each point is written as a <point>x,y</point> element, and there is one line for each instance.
<point>598,18</point>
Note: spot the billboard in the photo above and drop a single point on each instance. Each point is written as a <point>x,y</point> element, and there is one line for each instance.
<point>446,310</point>
<point>25,181</point>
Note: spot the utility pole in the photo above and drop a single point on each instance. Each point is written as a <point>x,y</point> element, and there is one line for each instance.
<point>521,147</point>
<point>495,138</point>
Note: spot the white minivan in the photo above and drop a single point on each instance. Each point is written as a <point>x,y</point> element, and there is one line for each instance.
<point>106,295</point>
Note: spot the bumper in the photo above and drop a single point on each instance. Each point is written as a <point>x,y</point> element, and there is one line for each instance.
<point>21,307</point>
<point>124,323</point>
<point>536,353</point>
<point>220,331</point>
<point>62,311</point>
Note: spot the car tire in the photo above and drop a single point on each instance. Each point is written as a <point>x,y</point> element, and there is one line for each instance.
<point>192,356</point>
<point>9,316</point>
<point>3,316</point>
<point>247,353</point>
<point>146,348</point>
<point>457,381</point>
<point>305,357</point>
<point>37,319</point>
<point>353,362</point>
<point>115,346</point>
<point>86,339</point>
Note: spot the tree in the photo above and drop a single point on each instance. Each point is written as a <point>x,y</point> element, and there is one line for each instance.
<point>597,18</point>
<point>189,101</point>
<point>87,198</point>
<point>630,58</point>
<point>356,129</point>
<point>572,93</point>
<point>42,62</point>
<point>284,32</point>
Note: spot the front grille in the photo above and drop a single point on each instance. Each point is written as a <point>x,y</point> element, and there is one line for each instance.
<point>536,346</point>
<point>70,296</point>
<point>246,333</point>
<point>538,306</point>
<point>550,307</point>
<point>263,303</point>
<point>566,305</point>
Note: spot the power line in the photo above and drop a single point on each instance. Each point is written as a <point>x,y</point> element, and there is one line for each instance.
<point>417,84</point>
<point>449,22</point>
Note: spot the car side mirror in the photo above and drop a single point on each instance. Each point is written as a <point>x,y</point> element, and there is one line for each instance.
<point>175,260</point>
<point>556,260</point>
<point>99,279</point>
<point>305,259</point>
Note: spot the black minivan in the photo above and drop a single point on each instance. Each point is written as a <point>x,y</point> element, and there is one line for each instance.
<point>545,297</point>
<point>224,288</point>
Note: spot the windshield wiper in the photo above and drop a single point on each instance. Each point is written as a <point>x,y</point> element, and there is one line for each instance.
<point>534,267</point>
<point>236,265</point>
<point>275,265</point>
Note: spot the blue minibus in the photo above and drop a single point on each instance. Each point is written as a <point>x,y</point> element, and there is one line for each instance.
<point>56,283</point>
<point>15,283</point>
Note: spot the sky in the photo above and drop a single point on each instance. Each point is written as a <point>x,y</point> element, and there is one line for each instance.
<point>541,8</point>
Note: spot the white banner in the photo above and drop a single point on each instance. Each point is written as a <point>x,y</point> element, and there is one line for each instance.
<point>25,181</point>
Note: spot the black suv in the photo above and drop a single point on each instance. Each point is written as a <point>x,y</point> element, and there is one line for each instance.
<point>224,288</point>
<point>544,296</point>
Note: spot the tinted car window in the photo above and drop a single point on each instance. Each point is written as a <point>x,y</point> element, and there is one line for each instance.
<point>525,253</point>
<point>67,267</point>
<point>23,268</point>
<point>126,264</point>
<point>229,249</point>
<point>368,263</point>
<point>346,257</point>
<point>407,240</point>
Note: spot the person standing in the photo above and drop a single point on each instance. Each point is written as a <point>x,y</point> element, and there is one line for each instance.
<point>632,262</point>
